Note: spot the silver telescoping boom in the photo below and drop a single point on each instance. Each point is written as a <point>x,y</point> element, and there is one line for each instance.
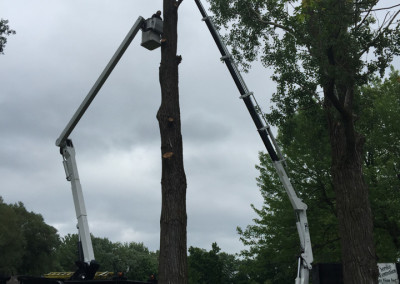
<point>68,152</point>
<point>99,83</point>
<point>306,257</point>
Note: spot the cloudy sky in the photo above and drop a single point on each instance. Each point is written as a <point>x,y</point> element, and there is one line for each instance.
<point>60,49</point>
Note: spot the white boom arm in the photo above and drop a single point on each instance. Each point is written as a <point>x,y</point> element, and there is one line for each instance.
<point>68,152</point>
<point>306,258</point>
<point>71,170</point>
<point>100,81</point>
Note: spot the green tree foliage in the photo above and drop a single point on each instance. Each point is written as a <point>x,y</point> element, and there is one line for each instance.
<point>273,239</point>
<point>5,31</point>
<point>322,51</point>
<point>29,246</point>
<point>214,266</point>
<point>380,112</point>
<point>134,259</point>
<point>41,241</point>
<point>27,243</point>
<point>11,240</point>
<point>67,252</point>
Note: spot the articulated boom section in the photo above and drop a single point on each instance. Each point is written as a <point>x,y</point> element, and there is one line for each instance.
<point>306,258</point>
<point>71,171</point>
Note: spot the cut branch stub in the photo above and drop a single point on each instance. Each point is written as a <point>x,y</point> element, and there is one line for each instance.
<point>168,155</point>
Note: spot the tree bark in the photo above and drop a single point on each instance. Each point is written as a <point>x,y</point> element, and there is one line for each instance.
<point>355,220</point>
<point>173,244</point>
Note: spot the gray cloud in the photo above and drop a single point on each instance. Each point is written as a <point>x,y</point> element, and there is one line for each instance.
<point>60,49</point>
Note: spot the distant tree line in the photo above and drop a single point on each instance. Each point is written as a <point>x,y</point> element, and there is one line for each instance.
<point>29,246</point>
<point>133,259</point>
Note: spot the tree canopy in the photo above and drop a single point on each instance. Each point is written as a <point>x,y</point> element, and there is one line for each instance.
<point>214,266</point>
<point>380,112</point>
<point>133,259</point>
<point>27,243</point>
<point>272,241</point>
<point>322,51</point>
<point>29,246</point>
<point>5,31</point>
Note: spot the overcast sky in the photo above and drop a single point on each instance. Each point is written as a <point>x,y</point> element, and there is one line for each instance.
<point>60,49</point>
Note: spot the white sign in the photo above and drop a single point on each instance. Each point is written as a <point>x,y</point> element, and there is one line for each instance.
<point>388,273</point>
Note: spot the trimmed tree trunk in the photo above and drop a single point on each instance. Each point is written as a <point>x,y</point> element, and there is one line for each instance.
<point>173,248</point>
<point>359,259</point>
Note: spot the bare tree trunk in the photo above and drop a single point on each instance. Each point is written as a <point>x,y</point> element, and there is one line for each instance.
<point>173,245</point>
<point>359,259</point>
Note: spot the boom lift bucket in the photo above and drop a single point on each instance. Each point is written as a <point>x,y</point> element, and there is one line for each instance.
<point>151,33</point>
